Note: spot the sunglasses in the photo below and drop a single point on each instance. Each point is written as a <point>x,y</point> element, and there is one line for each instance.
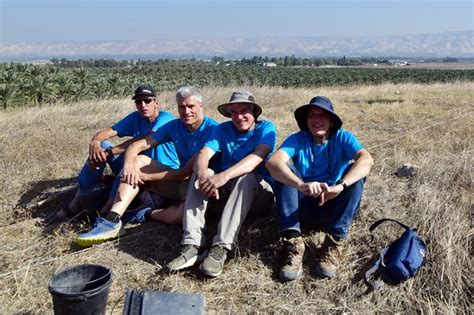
<point>146,100</point>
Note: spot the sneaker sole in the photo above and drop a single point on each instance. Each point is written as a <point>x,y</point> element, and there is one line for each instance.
<point>95,241</point>
<point>209,273</point>
<point>324,273</point>
<point>284,278</point>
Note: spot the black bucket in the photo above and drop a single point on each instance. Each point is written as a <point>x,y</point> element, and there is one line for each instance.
<point>81,289</point>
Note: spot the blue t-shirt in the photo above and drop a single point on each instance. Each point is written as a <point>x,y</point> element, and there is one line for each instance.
<point>133,125</point>
<point>186,143</point>
<point>322,163</point>
<point>235,145</point>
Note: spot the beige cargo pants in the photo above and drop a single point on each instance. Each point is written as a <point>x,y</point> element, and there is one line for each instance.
<point>238,197</point>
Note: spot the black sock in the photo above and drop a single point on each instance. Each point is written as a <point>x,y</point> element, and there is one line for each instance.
<point>113,217</point>
<point>148,215</point>
<point>288,234</point>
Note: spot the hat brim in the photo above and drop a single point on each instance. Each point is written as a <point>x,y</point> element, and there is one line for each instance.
<point>301,116</point>
<point>224,110</point>
<point>142,94</point>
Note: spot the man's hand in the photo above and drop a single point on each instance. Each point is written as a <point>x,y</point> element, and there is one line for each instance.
<point>132,176</point>
<point>313,189</point>
<point>330,192</point>
<point>96,153</point>
<point>209,184</point>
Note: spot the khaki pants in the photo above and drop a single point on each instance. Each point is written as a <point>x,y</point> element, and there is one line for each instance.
<point>238,197</point>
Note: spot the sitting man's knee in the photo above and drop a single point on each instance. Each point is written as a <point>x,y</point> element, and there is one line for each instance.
<point>142,160</point>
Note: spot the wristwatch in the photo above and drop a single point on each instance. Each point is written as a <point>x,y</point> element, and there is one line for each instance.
<point>344,185</point>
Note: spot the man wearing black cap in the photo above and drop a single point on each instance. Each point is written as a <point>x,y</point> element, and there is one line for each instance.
<point>147,119</point>
<point>321,189</point>
<point>236,187</point>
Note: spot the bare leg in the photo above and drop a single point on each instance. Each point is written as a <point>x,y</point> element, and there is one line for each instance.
<point>74,203</point>
<point>126,192</point>
<point>170,215</point>
<point>72,207</point>
<point>123,198</point>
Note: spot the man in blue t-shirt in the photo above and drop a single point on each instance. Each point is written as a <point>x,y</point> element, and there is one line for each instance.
<point>322,188</point>
<point>188,135</point>
<point>235,188</point>
<point>146,120</point>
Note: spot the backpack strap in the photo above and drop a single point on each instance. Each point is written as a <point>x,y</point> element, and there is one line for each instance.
<point>378,222</point>
<point>374,276</point>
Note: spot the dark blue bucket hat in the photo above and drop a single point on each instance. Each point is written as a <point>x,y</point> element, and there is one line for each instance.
<point>301,113</point>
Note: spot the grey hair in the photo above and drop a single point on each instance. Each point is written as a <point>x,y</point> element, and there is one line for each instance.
<point>188,91</point>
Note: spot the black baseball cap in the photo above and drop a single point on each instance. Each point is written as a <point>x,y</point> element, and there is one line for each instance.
<point>144,90</point>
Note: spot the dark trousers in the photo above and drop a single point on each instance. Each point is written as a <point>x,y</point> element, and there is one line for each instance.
<point>335,216</point>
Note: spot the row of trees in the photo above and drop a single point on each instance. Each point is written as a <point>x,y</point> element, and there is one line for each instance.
<point>293,61</point>
<point>23,84</point>
<point>286,61</point>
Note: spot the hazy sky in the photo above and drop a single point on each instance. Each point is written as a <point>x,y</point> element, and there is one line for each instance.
<point>86,20</point>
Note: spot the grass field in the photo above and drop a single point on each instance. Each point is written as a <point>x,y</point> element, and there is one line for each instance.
<point>43,149</point>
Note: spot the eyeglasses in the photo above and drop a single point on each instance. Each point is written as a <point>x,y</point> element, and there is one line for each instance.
<point>146,100</point>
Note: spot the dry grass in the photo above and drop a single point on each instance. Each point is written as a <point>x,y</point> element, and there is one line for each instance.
<point>43,149</point>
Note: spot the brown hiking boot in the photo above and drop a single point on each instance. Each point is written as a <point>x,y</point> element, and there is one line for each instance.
<point>294,254</point>
<point>331,257</point>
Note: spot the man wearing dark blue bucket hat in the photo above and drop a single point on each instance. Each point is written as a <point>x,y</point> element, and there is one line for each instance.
<point>321,189</point>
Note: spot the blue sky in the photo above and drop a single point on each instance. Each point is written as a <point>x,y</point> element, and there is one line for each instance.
<point>85,20</point>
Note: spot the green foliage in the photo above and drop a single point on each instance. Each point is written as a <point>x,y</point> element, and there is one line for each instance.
<point>36,85</point>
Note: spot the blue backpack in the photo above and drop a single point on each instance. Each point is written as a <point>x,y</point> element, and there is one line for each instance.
<point>399,261</point>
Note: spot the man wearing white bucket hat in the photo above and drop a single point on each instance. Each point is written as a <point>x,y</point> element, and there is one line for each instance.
<point>235,188</point>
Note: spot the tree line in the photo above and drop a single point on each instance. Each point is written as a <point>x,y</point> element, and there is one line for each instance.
<point>27,84</point>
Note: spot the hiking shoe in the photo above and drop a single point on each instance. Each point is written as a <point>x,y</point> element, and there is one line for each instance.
<point>102,231</point>
<point>135,216</point>
<point>190,254</point>
<point>214,262</point>
<point>331,257</point>
<point>294,255</point>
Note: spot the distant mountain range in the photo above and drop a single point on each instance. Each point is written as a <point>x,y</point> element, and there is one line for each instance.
<point>452,44</point>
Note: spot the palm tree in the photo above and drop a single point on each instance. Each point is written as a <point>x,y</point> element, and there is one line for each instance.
<point>8,95</point>
<point>41,84</point>
<point>83,79</point>
<point>66,87</point>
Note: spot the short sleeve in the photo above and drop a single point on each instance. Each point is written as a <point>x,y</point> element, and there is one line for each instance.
<point>214,141</point>
<point>290,145</point>
<point>162,134</point>
<point>124,127</point>
<point>350,145</point>
<point>268,135</point>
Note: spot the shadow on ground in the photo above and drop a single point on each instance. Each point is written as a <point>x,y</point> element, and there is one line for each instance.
<point>42,198</point>
<point>159,243</point>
